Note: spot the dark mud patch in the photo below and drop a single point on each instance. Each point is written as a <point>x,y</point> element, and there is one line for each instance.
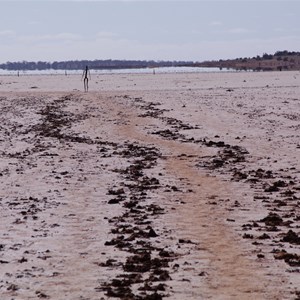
<point>145,272</point>
<point>277,190</point>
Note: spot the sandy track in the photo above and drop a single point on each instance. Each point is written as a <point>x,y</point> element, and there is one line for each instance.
<point>85,175</point>
<point>229,272</point>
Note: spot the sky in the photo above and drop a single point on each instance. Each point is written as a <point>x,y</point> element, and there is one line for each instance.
<point>47,30</point>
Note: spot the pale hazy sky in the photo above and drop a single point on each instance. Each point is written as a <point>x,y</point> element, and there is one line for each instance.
<point>160,30</point>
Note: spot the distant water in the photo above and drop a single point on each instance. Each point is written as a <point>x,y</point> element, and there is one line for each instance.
<point>119,71</point>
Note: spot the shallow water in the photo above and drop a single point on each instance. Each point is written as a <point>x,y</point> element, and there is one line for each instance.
<point>118,71</point>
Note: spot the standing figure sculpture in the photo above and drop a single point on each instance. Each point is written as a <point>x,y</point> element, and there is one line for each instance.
<point>86,75</point>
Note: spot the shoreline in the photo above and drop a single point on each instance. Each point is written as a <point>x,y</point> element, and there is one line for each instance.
<point>120,71</point>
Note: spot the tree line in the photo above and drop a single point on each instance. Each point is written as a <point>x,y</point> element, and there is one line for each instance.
<point>92,64</point>
<point>280,60</point>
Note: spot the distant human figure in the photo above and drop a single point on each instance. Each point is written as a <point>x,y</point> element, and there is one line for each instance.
<point>85,75</point>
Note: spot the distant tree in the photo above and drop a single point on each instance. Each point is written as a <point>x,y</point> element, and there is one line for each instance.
<point>286,53</point>
<point>267,56</point>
